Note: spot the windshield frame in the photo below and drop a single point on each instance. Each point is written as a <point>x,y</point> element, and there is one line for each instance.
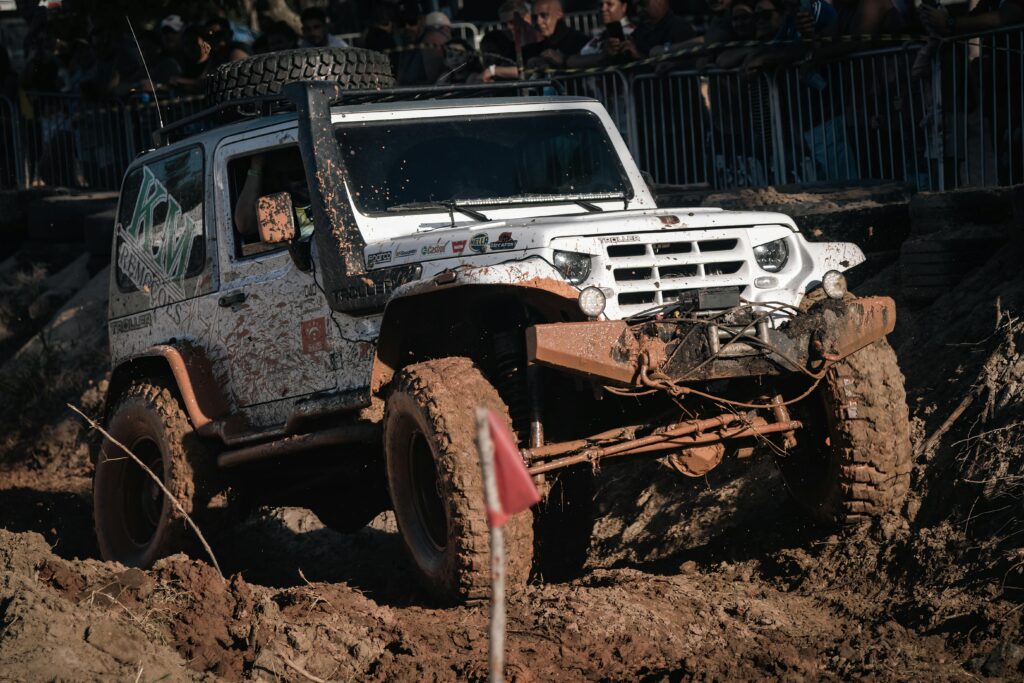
<point>447,115</point>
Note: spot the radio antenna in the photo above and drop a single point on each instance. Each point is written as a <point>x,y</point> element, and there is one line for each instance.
<point>142,57</point>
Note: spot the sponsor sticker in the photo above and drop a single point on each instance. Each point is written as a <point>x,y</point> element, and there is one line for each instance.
<point>615,239</point>
<point>378,258</point>
<point>458,246</point>
<point>403,254</point>
<point>504,242</point>
<point>314,335</point>
<point>432,249</point>
<point>479,243</point>
<point>137,322</point>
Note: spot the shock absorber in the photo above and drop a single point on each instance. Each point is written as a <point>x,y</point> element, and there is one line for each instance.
<point>510,378</point>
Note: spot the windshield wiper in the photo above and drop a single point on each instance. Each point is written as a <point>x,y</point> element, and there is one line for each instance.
<point>451,206</point>
<point>588,206</point>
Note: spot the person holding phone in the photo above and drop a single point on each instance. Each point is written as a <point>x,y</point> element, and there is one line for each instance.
<point>606,47</point>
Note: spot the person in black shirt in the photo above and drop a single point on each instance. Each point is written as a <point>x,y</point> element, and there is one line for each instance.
<point>557,42</point>
<point>660,30</point>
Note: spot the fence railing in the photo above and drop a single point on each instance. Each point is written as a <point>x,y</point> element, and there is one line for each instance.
<point>953,119</point>
<point>11,168</point>
<point>978,81</point>
<point>950,117</point>
<point>74,142</point>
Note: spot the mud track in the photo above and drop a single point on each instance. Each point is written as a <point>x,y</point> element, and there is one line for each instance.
<point>716,579</point>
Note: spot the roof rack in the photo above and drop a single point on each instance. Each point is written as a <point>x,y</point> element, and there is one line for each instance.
<point>265,105</point>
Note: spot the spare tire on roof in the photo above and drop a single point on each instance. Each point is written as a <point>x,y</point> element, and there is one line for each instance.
<point>267,74</point>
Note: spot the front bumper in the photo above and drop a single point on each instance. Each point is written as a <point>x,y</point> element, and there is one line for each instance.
<point>614,352</point>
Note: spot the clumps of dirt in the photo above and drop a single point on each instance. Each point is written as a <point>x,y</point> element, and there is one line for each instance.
<point>182,620</point>
<point>93,635</point>
<point>798,202</point>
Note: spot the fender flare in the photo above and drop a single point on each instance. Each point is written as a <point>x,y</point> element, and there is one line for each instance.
<point>386,361</point>
<point>191,371</point>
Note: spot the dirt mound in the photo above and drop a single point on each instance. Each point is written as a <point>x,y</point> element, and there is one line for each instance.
<point>717,578</point>
<point>181,619</point>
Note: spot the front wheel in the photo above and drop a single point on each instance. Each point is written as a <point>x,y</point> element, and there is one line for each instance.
<point>135,522</point>
<point>853,459</point>
<point>435,482</point>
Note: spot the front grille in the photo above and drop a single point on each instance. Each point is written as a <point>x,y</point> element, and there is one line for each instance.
<point>648,274</point>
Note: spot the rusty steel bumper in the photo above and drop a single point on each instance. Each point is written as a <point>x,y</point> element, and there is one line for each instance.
<point>613,352</point>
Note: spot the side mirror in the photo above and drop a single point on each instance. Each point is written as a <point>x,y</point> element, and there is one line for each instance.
<point>275,218</point>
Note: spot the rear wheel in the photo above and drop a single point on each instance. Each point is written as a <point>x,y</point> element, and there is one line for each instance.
<point>853,458</point>
<point>435,482</point>
<point>136,524</point>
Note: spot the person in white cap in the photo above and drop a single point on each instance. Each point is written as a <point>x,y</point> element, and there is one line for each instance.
<point>170,35</point>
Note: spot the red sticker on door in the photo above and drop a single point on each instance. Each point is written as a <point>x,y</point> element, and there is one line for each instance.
<point>314,335</point>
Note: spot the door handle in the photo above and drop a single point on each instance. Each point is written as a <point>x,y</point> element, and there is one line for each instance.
<point>231,300</point>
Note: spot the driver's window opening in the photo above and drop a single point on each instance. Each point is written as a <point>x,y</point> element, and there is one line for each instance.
<point>264,173</point>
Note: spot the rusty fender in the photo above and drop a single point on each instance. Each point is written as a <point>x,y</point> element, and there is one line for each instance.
<point>612,352</point>
<point>193,376</point>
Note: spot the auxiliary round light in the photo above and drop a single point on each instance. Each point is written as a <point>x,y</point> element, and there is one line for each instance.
<point>834,284</point>
<point>592,302</point>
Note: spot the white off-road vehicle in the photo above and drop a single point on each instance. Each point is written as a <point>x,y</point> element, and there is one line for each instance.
<point>319,279</point>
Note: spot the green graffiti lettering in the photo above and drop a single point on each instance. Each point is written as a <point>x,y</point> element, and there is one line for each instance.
<point>176,251</point>
<point>151,194</point>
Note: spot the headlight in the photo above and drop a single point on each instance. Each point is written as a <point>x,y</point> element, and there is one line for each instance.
<point>575,267</point>
<point>592,302</point>
<point>834,284</point>
<point>773,255</point>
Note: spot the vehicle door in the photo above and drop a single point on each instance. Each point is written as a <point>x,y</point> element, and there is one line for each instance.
<point>272,319</point>
<point>164,254</point>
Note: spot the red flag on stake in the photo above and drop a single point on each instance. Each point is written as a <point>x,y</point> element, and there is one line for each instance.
<point>516,491</point>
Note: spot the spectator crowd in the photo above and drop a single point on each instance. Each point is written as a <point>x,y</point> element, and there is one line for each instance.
<point>68,55</point>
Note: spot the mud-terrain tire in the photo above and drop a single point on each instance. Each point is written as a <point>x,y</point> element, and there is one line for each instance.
<point>353,68</point>
<point>136,524</point>
<point>853,457</point>
<point>435,482</point>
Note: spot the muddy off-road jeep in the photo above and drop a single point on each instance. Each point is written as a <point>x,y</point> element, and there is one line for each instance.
<point>318,279</point>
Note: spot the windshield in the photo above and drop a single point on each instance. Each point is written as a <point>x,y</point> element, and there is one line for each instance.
<point>426,161</point>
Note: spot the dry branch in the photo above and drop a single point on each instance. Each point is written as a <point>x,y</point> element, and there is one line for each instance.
<point>170,496</point>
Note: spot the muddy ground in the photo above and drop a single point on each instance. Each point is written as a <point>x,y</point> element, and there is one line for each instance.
<point>716,579</point>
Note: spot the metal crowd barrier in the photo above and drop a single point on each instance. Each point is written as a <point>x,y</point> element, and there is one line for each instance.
<point>11,168</point>
<point>954,118</point>
<point>712,128</point>
<point>861,118</point>
<point>74,142</point>
<point>978,85</point>
<point>612,89</point>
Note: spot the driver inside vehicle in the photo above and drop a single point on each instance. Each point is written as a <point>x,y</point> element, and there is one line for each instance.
<point>269,173</point>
